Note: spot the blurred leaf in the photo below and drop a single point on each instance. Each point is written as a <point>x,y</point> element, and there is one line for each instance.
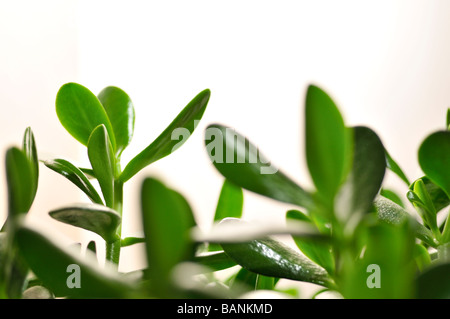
<point>328,143</point>
<point>217,260</point>
<point>128,241</point>
<point>101,156</point>
<point>434,159</point>
<point>20,182</point>
<point>393,196</point>
<point>120,111</point>
<point>29,148</point>
<point>434,282</point>
<point>80,112</point>
<point>230,203</point>
<point>395,168</point>
<point>366,175</point>
<point>168,141</point>
<point>391,213</point>
<point>421,256</point>
<point>76,176</point>
<point>93,217</point>
<point>274,259</point>
<point>448,119</point>
<point>386,269</point>
<point>265,283</point>
<point>241,163</point>
<point>89,172</point>
<point>166,222</point>
<point>316,250</point>
<point>50,263</point>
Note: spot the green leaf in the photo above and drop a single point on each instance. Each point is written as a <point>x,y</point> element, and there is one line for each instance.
<point>80,112</point>
<point>421,256</point>
<point>393,196</point>
<point>434,159</point>
<point>101,156</point>
<point>215,261</point>
<point>240,162</point>
<point>30,150</point>
<point>448,119</point>
<point>120,111</point>
<point>169,140</point>
<point>438,197</point>
<point>274,259</point>
<point>52,264</point>
<point>230,203</point>
<point>365,178</point>
<point>265,283</point>
<point>424,204</point>
<point>129,241</point>
<point>395,168</point>
<point>385,269</point>
<point>328,143</point>
<point>318,251</point>
<point>76,176</point>
<point>166,221</point>
<point>20,182</point>
<point>434,282</point>
<point>391,213</point>
<point>96,218</point>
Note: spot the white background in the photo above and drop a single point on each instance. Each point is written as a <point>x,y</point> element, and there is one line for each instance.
<point>385,63</point>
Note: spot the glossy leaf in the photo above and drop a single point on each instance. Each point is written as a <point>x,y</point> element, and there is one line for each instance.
<point>438,197</point>
<point>434,159</point>
<point>424,204</point>
<point>365,178</point>
<point>392,165</point>
<point>434,282</point>
<point>101,156</point>
<point>318,251</point>
<point>166,222</point>
<point>240,162</point>
<point>328,143</point>
<point>274,259</point>
<point>51,263</point>
<point>169,140</point>
<point>120,111</point>
<point>96,218</point>
<point>30,150</point>
<point>80,112</point>
<point>391,213</point>
<point>20,182</point>
<point>76,176</point>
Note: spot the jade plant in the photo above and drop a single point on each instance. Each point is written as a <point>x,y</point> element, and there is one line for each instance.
<point>354,236</point>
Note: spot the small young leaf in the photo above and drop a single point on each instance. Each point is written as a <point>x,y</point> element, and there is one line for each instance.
<point>274,259</point>
<point>434,159</point>
<point>168,141</point>
<point>166,221</point>
<point>76,176</point>
<point>239,161</point>
<point>57,268</point>
<point>120,110</point>
<point>80,112</point>
<point>328,143</point>
<point>434,282</point>
<point>438,197</point>
<point>425,206</point>
<point>393,196</point>
<point>101,156</point>
<point>20,182</point>
<point>96,218</point>
<point>395,168</point>
<point>230,203</point>
<point>29,148</point>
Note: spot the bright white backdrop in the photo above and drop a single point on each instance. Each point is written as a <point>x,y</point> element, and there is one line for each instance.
<point>384,62</point>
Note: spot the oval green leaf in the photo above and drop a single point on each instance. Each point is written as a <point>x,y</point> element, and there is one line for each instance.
<point>434,159</point>
<point>101,156</point>
<point>239,161</point>
<point>30,150</point>
<point>120,111</point>
<point>169,140</point>
<point>328,143</point>
<point>76,176</point>
<point>80,112</point>
<point>93,217</point>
